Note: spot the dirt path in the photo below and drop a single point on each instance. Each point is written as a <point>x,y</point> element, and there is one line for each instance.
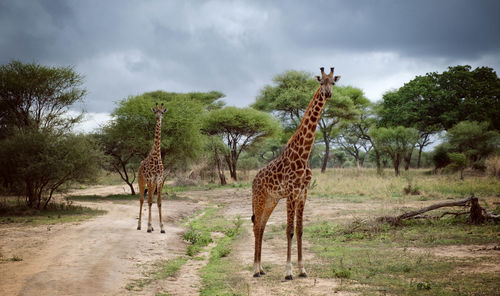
<point>96,257</point>
<point>101,256</point>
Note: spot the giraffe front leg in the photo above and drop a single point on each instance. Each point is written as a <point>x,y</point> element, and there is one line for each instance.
<point>158,202</point>
<point>141,201</point>
<point>290,213</point>
<point>150,203</point>
<point>298,230</point>
<point>142,187</point>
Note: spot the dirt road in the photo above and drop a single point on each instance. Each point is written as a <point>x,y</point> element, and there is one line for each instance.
<point>102,255</point>
<point>96,257</point>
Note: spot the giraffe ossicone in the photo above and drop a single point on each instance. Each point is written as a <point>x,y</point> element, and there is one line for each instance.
<point>287,177</point>
<point>151,173</point>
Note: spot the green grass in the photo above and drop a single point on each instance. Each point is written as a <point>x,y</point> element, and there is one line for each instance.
<point>160,270</point>
<point>360,185</point>
<point>17,212</point>
<point>14,258</point>
<point>220,275</point>
<point>376,256</point>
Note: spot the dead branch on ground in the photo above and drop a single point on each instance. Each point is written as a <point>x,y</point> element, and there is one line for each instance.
<point>478,214</point>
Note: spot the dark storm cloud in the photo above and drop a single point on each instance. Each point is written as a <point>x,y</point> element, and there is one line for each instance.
<point>457,29</point>
<point>128,47</point>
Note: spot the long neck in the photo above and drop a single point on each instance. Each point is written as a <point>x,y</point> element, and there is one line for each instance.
<point>157,142</point>
<point>303,139</point>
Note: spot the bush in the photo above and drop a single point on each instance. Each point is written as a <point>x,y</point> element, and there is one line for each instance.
<point>440,157</point>
<point>36,164</point>
<point>492,164</point>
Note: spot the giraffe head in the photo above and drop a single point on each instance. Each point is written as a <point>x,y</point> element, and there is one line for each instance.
<point>159,110</point>
<point>327,81</point>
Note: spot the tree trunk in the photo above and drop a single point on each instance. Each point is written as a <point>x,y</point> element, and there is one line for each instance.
<point>396,161</point>
<point>220,166</point>
<point>132,190</point>
<point>231,163</point>
<point>407,159</point>
<point>125,176</point>
<point>358,166</point>
<point>377,159</point>
<point>420,148</point>
<point>326,156</point>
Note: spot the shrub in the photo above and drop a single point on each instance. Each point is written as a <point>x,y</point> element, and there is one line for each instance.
<point>492,164</point>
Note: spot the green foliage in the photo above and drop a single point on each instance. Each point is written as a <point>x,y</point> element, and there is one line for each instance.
<point>37,154</point>
<point>290,97</point>
<point>438,101</point>
<point>473,139</point>
<point>128,138</point>
<point>440,157</point>
<point>13,211</point>
<point>38,164</point>
<point>239,128</point>
<point>396,142</point>
<point>36,97</point>
<point>458,162</point>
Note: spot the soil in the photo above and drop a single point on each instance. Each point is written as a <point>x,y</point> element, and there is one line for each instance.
<point>102,255</point>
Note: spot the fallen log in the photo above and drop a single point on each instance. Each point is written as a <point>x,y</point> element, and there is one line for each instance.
<point>478,215</point>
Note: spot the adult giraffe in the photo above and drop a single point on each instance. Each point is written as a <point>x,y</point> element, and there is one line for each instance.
<point>288,176</point>
<point>151,172</point>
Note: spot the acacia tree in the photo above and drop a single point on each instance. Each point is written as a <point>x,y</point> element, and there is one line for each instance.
<point>38,155</point>
<point>128,137</point>
<point>438,101</point>
<point>37,97</point>
<point>396,142</point>
<point>473,139</point>
<point>352,141</point>
<point>239,128</point>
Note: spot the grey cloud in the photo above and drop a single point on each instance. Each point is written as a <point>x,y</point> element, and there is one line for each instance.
<point>128,47</point>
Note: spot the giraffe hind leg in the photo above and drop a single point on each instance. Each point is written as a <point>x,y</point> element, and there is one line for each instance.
<point>263,208</point>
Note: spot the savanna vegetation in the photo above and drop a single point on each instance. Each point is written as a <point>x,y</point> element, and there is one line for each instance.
<point>434,138</point>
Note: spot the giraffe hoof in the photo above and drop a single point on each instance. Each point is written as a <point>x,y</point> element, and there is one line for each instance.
<point>289,278</point>
<point>303,275</point>
<point>256,274</point>
<point>149,230</point>
<point>138,227</point>
<point>262,272</point>
<point>163,231</point>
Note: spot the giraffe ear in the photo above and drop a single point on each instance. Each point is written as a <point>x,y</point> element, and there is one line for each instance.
<point>153,109</point>
<point>318,78</point>
<point>165,110</point>
<point>336,78</point>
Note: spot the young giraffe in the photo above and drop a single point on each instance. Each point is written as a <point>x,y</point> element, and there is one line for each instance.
<point>288,176</point>
<point>151,172</point>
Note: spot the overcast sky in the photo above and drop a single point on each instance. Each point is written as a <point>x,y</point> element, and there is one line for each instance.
<point>126,48</point>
